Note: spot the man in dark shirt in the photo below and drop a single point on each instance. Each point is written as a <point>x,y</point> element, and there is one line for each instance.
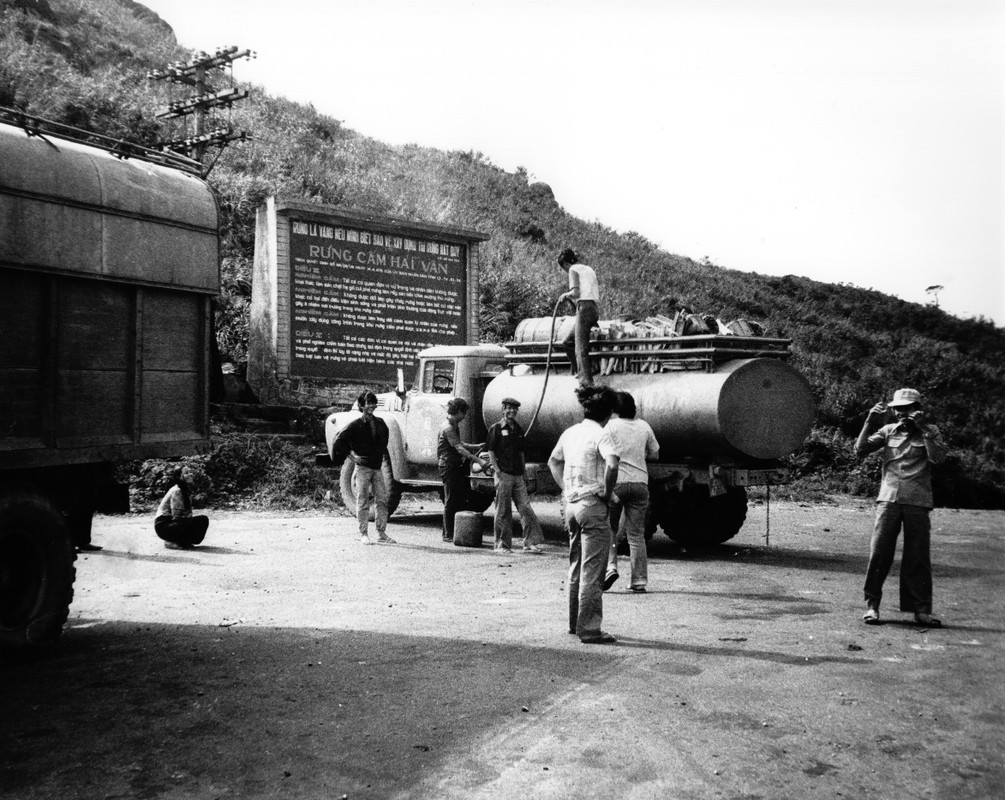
<point>364,440</point>
<point>506,448</point>
<point>453,456</point>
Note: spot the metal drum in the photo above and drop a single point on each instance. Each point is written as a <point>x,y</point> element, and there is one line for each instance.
<point>469,526</point>
<point>537,329</point>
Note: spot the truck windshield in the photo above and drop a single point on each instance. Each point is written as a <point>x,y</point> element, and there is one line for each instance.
<point>438,376</point>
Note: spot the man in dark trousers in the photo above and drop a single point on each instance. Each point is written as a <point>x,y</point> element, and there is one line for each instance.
<point>452,457</point>
<point>584,292</point>
<point>505,445</point>
<point>910,446</point>
<point>364,440</point>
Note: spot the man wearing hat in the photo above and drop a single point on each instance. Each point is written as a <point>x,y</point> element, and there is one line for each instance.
<point>910,446</point>
<point>506,449</point>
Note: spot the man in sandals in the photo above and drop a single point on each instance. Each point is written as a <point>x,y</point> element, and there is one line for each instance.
<point>910,446</point>
<point>364,440</point>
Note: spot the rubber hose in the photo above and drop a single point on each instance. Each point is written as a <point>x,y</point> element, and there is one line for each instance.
<point>547,366</point>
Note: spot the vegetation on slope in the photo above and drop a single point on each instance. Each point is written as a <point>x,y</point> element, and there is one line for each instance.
<point>84,62</point>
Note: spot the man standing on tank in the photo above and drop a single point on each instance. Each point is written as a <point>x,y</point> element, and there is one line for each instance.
<point>584,291</point>
<point>584,464</point>
<point>452,457</point>
<point>506,447</point>
<point>364,440</point>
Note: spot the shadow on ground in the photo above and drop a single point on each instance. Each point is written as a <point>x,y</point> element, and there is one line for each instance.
<point>155,709</point>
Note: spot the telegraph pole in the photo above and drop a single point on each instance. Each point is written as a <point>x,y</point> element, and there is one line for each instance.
<point>201,128</point>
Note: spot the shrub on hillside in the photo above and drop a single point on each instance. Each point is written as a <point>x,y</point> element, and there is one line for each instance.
<point>257,471</point>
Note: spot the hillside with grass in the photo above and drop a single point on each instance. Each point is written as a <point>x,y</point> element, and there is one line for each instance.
<point>84,62</point>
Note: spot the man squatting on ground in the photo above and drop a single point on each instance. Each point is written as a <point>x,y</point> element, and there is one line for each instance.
<point>452,460</point>
<point>910,447</point>
<point>635,442</point>
<point>584,464</point>
<point>174,521</point>
<point>364,440</point>
<point>584,291</point>
<point>506,449</point>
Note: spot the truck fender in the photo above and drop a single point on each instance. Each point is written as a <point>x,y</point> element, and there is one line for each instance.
<point>334,424</point>
<point>396,450</point>
<point>395,441</point>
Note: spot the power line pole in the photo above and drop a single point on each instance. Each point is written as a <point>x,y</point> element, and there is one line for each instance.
<point>201,127</point>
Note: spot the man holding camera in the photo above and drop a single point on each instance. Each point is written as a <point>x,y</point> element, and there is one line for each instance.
<point>910,446</point>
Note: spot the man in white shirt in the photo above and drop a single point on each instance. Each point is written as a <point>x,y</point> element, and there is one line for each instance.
<point>584,291</point>
<point>584,464</point>
<point>636,443</point>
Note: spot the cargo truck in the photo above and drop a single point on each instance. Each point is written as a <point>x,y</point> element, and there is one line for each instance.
<point>109,261</point>
<point>726,409</point>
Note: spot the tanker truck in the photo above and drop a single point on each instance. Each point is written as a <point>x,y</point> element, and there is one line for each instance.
<point>725,409</point>
<point>109,263</point>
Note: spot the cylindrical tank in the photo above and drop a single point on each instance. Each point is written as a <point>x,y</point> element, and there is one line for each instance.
<point>538,329</point>
<point>759,408</point>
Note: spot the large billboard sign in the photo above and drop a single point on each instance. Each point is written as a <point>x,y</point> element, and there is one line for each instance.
<point>343,297</point>
<point>365,301</point>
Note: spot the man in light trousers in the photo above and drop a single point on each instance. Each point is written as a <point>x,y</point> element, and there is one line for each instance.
<point>506,449</point>
<point>584,464</point>
<point>364,440</point>
<point>636,443</point>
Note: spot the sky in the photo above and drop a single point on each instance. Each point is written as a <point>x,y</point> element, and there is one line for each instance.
<point>848,141</point>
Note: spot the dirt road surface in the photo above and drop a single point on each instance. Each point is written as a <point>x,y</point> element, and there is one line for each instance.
<point>283,659</point>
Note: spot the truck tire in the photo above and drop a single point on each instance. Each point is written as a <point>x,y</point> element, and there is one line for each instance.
<point>349,496</point>
<point>36,571</point>
<point>692,518</point>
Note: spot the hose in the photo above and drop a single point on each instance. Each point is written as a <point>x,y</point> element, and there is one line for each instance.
<point>547,366</point>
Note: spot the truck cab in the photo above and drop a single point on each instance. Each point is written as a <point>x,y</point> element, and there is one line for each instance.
<point>414,417</point>
<point>444,373</point>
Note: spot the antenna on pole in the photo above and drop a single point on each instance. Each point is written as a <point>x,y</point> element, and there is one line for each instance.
<point>934,292</point>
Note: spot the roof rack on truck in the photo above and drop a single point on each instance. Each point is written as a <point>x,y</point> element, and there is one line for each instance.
<point>624,348</point>
<point>37,126</point>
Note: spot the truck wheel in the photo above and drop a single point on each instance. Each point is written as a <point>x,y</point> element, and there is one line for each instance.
<point>349,496</point>
<point>692,518</point>
<point>36,571</point>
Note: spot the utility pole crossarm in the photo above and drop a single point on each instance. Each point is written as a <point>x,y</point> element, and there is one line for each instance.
<point>199,106</point>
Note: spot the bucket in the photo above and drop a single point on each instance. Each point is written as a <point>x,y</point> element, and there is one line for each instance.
<point>468,529</point>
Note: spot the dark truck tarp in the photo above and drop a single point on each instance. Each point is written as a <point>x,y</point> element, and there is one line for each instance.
<point>67,207</point>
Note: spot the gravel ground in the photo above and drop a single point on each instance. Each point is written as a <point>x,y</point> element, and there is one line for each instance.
<point>283,659</point>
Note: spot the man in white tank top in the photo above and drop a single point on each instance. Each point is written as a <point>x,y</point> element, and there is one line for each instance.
<point>584,291</point>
